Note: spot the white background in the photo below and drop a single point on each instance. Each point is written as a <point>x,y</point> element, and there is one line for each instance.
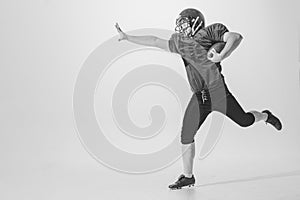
<point>43,44</point>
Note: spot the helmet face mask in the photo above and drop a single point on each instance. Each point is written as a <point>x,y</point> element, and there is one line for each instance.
<point>183,26</point>
<point>189,22</point>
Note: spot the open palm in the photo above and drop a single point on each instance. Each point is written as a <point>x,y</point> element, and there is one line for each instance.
<point>123,36</point>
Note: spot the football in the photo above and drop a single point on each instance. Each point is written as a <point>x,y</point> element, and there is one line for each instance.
<point>218,47</point>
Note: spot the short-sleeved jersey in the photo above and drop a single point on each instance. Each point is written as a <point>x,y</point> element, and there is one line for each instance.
<point>202,73</point>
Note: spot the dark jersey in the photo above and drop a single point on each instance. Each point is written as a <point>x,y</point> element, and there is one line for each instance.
<point>201,72</point>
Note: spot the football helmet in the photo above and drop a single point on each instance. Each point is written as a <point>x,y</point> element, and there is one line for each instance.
<point>190,20</point>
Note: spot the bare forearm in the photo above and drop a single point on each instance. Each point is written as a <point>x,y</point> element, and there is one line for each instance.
<point>147,40</point>
<point>231,44</point>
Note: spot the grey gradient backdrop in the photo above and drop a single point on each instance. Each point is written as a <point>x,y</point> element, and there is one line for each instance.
<point>43,46</point>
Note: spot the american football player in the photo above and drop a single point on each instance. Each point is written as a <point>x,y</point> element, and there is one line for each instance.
<point>192,40</point>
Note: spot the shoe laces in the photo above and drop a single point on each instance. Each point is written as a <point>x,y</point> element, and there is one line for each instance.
<point>180,178</point>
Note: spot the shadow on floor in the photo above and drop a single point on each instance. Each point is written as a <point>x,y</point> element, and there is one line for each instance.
<point>256,178</point>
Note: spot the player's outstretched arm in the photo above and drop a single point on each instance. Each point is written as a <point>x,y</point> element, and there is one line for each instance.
<point>232,40</point>
<point>147,40</point>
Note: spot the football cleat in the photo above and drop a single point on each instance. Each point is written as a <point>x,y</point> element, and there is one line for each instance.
<point>183,182</point>
<point>273,120</point>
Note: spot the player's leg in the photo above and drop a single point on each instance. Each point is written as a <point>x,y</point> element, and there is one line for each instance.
<point>188,155</point>
<point>195,114</point>
<point>232,109</point>
<point>235,112</point>
<point>265,115</point>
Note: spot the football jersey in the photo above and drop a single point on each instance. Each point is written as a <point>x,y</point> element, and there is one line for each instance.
<point>201,72</point>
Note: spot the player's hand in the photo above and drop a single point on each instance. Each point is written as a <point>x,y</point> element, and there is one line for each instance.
<point>123,36</point>
<point>214,56</point>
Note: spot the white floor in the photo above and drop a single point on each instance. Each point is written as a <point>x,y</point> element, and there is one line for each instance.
<point>83,182</point>
<point>69,172</point>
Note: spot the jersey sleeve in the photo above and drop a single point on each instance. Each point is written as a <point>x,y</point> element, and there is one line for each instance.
<point>216,32</point>
<point>173,43</point>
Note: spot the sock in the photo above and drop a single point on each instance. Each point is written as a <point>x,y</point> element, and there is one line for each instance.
<point>188,175</point>
<point>266,117</point>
